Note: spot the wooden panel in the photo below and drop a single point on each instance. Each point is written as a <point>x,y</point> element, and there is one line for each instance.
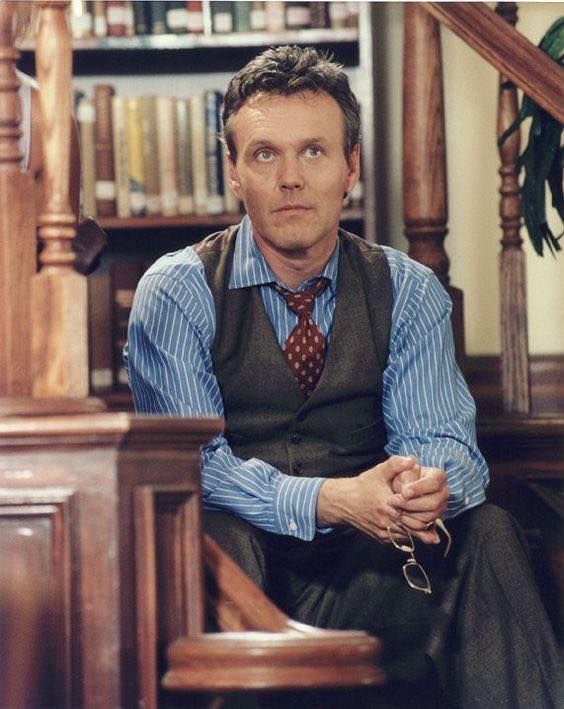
<point>35,533</point>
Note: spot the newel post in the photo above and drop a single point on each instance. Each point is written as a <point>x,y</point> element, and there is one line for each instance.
<point>424,154</point>
<point>17,226</point>
<point>60,351</point>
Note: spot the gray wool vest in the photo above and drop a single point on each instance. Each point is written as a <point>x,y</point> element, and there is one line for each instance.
<point>339,430</point>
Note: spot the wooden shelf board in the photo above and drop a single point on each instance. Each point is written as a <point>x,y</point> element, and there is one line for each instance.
<point>214,41</point>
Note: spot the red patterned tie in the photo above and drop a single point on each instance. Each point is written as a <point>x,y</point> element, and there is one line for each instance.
<point>304,350</point>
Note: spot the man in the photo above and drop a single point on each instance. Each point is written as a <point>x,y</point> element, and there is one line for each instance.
<point>349,429</point>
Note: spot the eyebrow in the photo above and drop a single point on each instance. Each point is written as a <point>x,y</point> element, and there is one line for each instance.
<point>268,143</point>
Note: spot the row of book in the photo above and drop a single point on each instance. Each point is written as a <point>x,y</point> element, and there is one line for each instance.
<point>152,155</point>
<point>122,18</point>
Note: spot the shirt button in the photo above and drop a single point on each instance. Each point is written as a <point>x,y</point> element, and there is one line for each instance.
<point>292,526</point>
<point>297,468</point>
<point>466,500</point>
<point>296,438</point>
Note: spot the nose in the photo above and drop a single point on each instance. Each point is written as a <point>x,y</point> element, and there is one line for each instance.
<point>291,176</point>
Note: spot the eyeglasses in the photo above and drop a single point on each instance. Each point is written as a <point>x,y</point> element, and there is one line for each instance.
<point>414,573</point>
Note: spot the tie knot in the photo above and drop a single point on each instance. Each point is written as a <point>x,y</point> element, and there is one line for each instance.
<point>301,303</point>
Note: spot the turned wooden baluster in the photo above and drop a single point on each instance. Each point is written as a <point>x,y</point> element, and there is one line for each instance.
<point>60,352</point>
<point>17,226</point>
<point>513,293</point>
<point>424,154</point>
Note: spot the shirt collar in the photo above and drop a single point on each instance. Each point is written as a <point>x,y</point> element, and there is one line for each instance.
<point>250,267</point>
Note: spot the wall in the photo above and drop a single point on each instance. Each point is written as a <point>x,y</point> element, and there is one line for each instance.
<point>472,243</point>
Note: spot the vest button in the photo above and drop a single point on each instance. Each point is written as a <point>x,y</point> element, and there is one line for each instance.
<point>302,416</point>
<point>297,468</point>
<point>296,438</point>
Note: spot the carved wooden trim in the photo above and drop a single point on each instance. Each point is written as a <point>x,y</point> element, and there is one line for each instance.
<point>56,626</point>
<point>507,50</point>
<point>512,279</point>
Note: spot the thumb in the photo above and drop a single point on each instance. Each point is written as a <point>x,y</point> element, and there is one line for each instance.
<point>395,465</point>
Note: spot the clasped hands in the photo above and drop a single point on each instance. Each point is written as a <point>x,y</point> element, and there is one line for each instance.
<point>396,493</point>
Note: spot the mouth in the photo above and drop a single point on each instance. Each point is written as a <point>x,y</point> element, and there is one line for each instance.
<point>293,208</point>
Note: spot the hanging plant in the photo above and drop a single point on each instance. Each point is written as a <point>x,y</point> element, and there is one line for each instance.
<point>543,158</point>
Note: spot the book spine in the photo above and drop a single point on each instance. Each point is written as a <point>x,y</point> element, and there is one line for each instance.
<point>214,166</point>
<point>275,16</point>
<point>124,278</point>
<point>241,16</point>
<point>103,134</point>
<point>158,17</point>
<point>116,18</point>
<point>222,17</point>
<point>135,158</point>
<point>121,159</point>
<point>297,15</point>
<point>168,171</point>
<point>141,17</point>
<point>319,15</point>
<point>257,16</point>
<point>81,19</point>
<point>99,322</point>
<point>129,18</point>
<point>86,116</point>
<point>100,21</point>
<point>194,16</point>
<point>338,14</point>
<point>183,154</point>
<point>151,153</point>
<point>199,176</point>
<point>177,16</point>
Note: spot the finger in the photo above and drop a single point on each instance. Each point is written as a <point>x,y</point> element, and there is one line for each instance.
<point>435,503</point>
<point>407,476</point>
<point>397,464</point>
<point>427,537</point>
<point>417,522</point>
<point>427,483</point>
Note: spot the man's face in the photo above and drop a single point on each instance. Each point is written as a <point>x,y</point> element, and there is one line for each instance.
<point>291,171</point>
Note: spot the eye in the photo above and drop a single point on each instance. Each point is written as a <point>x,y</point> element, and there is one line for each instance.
<point>313,151</point>
<point>264,155</point>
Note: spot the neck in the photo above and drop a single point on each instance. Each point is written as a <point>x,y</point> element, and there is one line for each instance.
<point>292,268</point>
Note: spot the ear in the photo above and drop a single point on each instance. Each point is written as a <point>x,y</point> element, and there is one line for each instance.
<point>233,178</point>
<point>353,173</point>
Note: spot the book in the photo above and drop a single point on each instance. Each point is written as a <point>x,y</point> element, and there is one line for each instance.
<point>99,336</point>
<point>116,18</point>
<point>352,14</point>
<point>338,14</point>
<point>124,277</point>
<point>100,22</point>
<point>241,16</point>
<point>177,16</point>
<point>121,158</point>
<point>150,154</point>
<point>158,16</point>
<point>297,15</point>
<point>275,16</point>
<point>194,16</point>
<point>183,156</point>
<point>105,189</point>
<point>168,171</point>
<point>136,168</point>
<point>222,16</point>
<point>129,16</point>
<point>257,16</point>
<point>86,116</point>
<point>319,15</point>
<point>214,164</point>
<point>198,152</point>
<point>81,19</point>
<point>141,17</point>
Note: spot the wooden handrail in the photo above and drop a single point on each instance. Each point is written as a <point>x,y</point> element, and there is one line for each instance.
<point>507,50</point>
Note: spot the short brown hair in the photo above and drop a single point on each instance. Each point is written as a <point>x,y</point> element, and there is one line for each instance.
<point>290,70</point>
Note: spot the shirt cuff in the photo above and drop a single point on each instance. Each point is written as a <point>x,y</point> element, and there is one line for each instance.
<point>295,505</point>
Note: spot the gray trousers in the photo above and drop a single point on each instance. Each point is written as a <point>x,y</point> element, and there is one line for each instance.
<point>481,639</point>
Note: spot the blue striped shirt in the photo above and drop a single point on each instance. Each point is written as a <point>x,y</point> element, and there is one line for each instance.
<point>428,410</point>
